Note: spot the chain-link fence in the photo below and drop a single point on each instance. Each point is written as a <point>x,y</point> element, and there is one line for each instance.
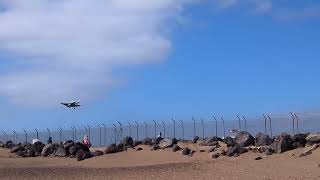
<point>103,135</point>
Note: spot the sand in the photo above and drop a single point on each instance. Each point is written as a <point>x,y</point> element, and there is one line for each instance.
<point>163,164</point>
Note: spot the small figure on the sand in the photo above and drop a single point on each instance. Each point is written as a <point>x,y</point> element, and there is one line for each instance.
<point>86,141</point>
<point>49,140</point>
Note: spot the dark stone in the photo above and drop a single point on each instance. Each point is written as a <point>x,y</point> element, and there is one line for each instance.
<point>155,147</point>
<point>174,141</point>
<point>73,149</point>
<point>82,155</point>
<point>236,155</point>
<point>229,141</point>
<point>9,144</point>
<point>211,149</point>
<point>96,153</point>
<point>244,139</point>
<point>258,158</point>
<point>175,148</point>
<point>136,143</point>
<point>120,147</point>
<point>283,143</point>
<point>60,152</point>
<point>48,149</point>
<point>215,155</point>
<point>147,141</point>
<point>111,149</point>
<point>139,149</point>
<point>22,153</point>
<point>128,141</point>
<point>15,149</point>
<point>156,140</point>
<point>233,150</point>
<point>262,140</point>
<point>186,151</point>
<point>299,140</point>
<point>26,145</point>
<point>242,150</point>
<point>37,146</point>
<point>31,152</point>
<point>195,139</point>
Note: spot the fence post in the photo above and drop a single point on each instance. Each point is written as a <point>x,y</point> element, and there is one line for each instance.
<point>72,133</point>
<point>265,124</point>
<point>297,126</point>
<point>99,135</point>
<point>239,122</point>
<point>194,127</point>
<point>146,129</point>
<point>292,123</point>
<point>245,123</point>
<point>37,133</point>
<point>14,137</point>
<point>60,134</point>
<point>129,128</point>
<point>5,136</point>
<point>155,128</point>
<point>216,122</point>
<point>270,124</point>
<point>202,128</point>
<point>85,128</point>
<point>104,134</point>
<point>120,131</point>
<point>115,133</point>
<point>89,132</point>
<point>25,132</point>
<point>75,134</point>
<point>164,129</point>
<point>182,129</point>
<point>174,128</point>
<point>137,126</point>
<point>224,129</point>
<point>49,133</point>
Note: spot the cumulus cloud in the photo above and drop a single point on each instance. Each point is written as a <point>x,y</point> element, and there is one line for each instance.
<point>69,48</point>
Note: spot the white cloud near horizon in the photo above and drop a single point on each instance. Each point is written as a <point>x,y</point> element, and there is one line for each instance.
<point>69,48</point>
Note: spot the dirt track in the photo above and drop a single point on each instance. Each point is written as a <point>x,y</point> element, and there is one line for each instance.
<point>163,164</point>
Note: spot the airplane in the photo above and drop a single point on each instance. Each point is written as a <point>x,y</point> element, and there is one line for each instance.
<point>72,104</point>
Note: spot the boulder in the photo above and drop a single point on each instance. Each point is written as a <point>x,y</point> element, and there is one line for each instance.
<point>127,141</point>
<point>174,141</point>
<point>155,147</point>
<point>16,149</point>
<point>156,140</point>
<point>96,153</point>
<point>269,151</point>
<point>82,155</point>
<point>48,149</point>
<point>37,146</point>
<point>244,139</point>
<point>232,150</point>
<point>262,139</point>
<point>31,152</point>
<point>136,143</point>
<point>26,145</point>
<point>120,147</point>
<point>22,153</point>
<point>165,143</point>
<point>299,140</point>
<point>195,139</point>
<point>147,141</point>
<point>9,144</point>
<point>313,138</point>
<point>186,151</point>
<point>111,149</point>
<point>61,152</point>
<point>139,149</point>
<point>211,149</point>
<point>82,146</point>
<point>175,148</point>
<point>73,149</point>
<point>229,141</point>
<point>283,143</point>
<point>212,139</point>
<point>215,155</point>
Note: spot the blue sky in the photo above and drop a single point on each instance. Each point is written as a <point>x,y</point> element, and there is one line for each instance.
<point>218,57</point>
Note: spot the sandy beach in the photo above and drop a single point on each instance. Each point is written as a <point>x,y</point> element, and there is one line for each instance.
<point>164,164</point>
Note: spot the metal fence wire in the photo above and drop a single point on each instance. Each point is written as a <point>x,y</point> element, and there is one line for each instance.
<point>102,135</point>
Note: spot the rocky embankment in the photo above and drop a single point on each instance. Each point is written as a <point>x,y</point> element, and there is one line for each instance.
<point>232,147</point>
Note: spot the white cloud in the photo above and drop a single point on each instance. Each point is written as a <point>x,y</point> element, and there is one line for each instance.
<point>69,48</point>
